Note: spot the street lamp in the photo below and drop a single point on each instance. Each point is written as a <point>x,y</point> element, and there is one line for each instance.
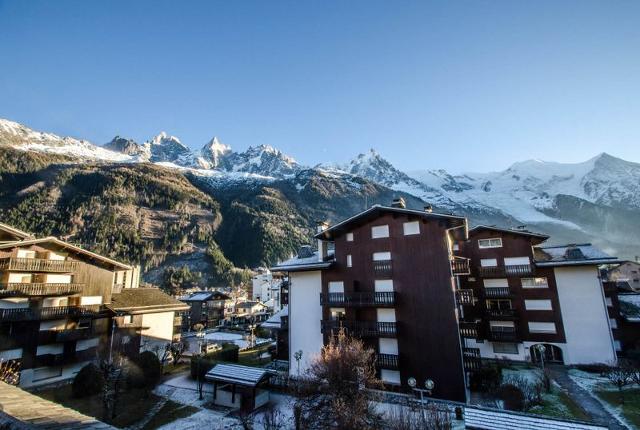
<point>428,389</point>
<point>541,350</point>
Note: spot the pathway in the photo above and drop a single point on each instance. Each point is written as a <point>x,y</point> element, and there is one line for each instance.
<point>152,412</point>
<point>586,400</point>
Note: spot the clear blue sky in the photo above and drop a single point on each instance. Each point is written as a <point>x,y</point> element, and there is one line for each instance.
<point>465,86</point>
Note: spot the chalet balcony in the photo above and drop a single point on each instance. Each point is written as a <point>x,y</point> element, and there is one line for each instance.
<point>497,292</point>
<point>460,266</point>
<point>465,297</point>
<point>471,359</point>
<point>501,313</point>
<point>62,359</point>
<point>383,268</point>
<point>377,299</point>
<point>38,289</point>
<point>508,270</point>
<point>387,361</point>
<point>74,334</point>
<point>491,271</point>
<point>35,314</point>
<point>468,330</point>
<point>361,328</point>
<point>503,334</point>
<point>39,265</point>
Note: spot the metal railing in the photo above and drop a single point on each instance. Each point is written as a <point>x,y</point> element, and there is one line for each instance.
<point>491,271</point>
<point>471,359</point>
<point>518,269</point>
<point>465,297</point>
<point>497,292</point>
<point>27,314</point>
<point>38,265</point>
<point>460,266</point>
<point>504,334</point>
<point>386,298</point>
<point>505,313</point>
<point>387,361</point>
<point>383,268</point>
<point>468,330</point>
<point>39,289</point>
<point>361,328</point>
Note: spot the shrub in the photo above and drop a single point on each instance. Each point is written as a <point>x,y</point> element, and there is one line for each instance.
<point>145,371</point>
<point>512,397</point>
<point>486,379</point>
<point>88,381</point>
<point>229,353</point>
<point>531,394</point>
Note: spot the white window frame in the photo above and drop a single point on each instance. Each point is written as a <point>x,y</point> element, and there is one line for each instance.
<point>484,262</point>
<point>380,231</point>
<point>532,329</point>
<point>349,237</point>
<point>536,282</point>
<point>538,305</point>
<point>382,256</point>
<point>613,323</point>
<point>411,228</point>
<point>517,351</point>
<point>349,261</point>
<point>492,242</point>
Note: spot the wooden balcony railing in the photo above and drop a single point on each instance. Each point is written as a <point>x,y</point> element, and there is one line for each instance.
<point>361,328</point>
<point>377,299</point>
<point>468,329</point>
<point>460,266</point>
<point>519,270</point>
<point>503,334</point>
<point>501,313</point>
<point>30,314</point>
<point>471,359</point>
<point>38,265</point>
<point>383,268</point>
<point>497,292</point>
<point>39,289</point>
<point>387,361</point>
<point>465,297</point>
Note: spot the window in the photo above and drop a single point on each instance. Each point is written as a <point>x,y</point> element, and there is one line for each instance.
<point>412,227</point>
<point>505,348</point>
<point>535,282</point>
<point>349,237</point>
<point>386,315</point>
<point>538,305</point>
<point>495,283</point>
<point>490,243</point>
<point>608,300</point>
<point>618,345</point>
<point>337,314</point>
<point>349,261</point>
<point>336,287</point>
<point>613,323</point>
<point>383,285</point>
<point>381,256</point>
<point>542,327</point>
<point>456,247</point>
<point>516,261</point>
<point>488,262</point>
<point>127,319</point>
<point>390,376</point>
<point>379,231</point>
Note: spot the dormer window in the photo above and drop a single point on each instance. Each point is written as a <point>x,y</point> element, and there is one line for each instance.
<point>490,243</point>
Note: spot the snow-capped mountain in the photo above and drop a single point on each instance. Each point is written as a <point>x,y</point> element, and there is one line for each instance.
<point>127,147</point>
<point>263,160</point>
<point>213,154</point>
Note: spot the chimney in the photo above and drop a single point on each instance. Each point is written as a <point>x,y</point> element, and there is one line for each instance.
<point>322,245</point>
<point>428,209</point>
<point>399,203</point>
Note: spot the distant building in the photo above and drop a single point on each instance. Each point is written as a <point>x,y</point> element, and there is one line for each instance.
<point>628,272</point>
<point>266,288</point>
<point>206,308</point>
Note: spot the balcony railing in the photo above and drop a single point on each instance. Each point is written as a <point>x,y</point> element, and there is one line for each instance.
<point>519,270</point>
<point>465,297</point>
<point>503,334</point>
<point>471,359</point>
<point>29,314</point>
<point>497,292</point>
<point>386,298</point>
<point>74,334</point>
<point>38,265</point>
<point>491,271</point>
<point>387,361</point>
<point>460,266</point>
<point>468,330</point>
<point>61,359</point>
<point>361,328</point>
<point>383,268</point>
<point>501,313</point>
<point>39,289</point>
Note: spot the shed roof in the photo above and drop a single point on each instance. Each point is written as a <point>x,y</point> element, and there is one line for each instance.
<point>538,237</point>
<point>299,264</point>
<point>572,255</point>
<point>237,374</point>
<point>145,301</point>
<point>204,296</point>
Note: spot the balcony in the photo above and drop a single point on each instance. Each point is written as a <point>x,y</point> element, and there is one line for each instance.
<point>361,328</point>
<point>31,314</point>
<point>383,268</point>
<point>465,297</point>
<point>468,330</point>
<point>501,313</point>
<point>38,265</point>
<point>491,271</point>
<point>62,359</point>
<point>519,270</point>
<point>8,342</point>
<point>471,359</point>
<point>38,289</point>
<point>377,299</point>
<point>460,266</point>
<point>503,334</point>
<point>74,334</point>
<point>387,361</point>
<point>177,321</point>
<point>497,292</point>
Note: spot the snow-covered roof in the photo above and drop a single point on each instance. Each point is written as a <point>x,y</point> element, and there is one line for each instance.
<point>630,306</point>
<point>236,374</point>
<point>492,419</point>
<point>299,264</point>
<point>539,236</point>
<point>275,321</point>
<point>572,255</point>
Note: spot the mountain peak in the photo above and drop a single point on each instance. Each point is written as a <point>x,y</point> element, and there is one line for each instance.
<point>124,146</point>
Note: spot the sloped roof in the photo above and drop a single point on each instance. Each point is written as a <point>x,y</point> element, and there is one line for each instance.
<point>73,248</point>
<point>376,211</point>
<point>18,234</point>
<point>237,374</point>
<point>204,296</point>
<point>538,237</point>
<point>145,301</point>
<point>275,320</point>
<point>572,255</point>
<point>299,264</point>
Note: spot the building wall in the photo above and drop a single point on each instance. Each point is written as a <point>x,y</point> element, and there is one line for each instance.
<point>305,314</point>
<point>585,317</point>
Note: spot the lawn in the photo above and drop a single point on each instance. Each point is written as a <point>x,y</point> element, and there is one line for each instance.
<point>252,357</point>
<point>559,404</point>
<point>631,407</point>
<point>131,406</point>
<point>170,412</point>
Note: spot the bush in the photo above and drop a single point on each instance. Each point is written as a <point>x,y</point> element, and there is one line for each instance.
<point>530,393</point>
<point>228,353</point>
<point>145,372</point>
<point>88,381</point>
<point>486,379</point>
<point>512,397</point>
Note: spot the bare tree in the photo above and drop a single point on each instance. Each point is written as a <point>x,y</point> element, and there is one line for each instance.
<point>427,418</point>
<point>334,394</point>
<point>10,372</point>
<point>176,349</point>
<point>620,376</point>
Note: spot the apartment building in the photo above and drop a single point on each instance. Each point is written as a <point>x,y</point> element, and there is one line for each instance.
<point>206,308</point>
<point>58,304</point>
<point>387,276</point>
<point>527,294</point>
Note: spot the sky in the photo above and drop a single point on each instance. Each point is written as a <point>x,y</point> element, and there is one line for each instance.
<point>459,85</point>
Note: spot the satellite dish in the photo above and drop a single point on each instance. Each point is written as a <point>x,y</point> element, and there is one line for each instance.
<point>429,384</point>
<point>411,382</point>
